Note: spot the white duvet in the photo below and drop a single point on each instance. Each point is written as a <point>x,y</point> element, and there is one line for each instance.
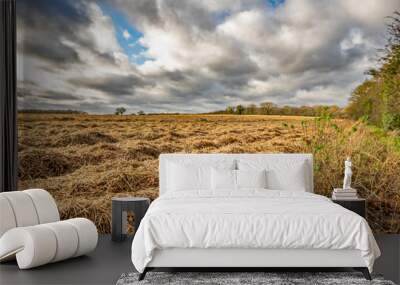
<point>250,219</point>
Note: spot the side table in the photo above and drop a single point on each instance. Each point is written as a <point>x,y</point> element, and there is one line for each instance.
<point>357,205</point>
<point>121,206</point>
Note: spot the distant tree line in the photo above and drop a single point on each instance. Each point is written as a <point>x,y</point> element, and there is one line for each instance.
<point>122,110</point>
<point>377,100</point>
<point>269,108</point>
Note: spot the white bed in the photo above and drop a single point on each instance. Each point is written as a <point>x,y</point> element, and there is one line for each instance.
<point>249,227</point>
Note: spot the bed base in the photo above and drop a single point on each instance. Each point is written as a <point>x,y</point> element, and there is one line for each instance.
<point>363,270</point>
<point>250,259</point>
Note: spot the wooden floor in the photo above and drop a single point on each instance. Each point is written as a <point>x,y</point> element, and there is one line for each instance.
<point>110,260</point>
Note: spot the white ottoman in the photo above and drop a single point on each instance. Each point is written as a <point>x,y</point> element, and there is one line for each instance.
<point>31,232</point>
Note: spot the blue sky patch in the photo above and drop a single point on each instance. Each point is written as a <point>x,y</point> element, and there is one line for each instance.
<point>275,3</point>
<point>220,17</point>
<point>129,44</point>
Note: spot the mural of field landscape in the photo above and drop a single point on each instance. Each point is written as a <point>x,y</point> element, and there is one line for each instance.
<point>106,86</point>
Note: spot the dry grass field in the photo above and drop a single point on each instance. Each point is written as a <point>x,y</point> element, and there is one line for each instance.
<point>84,160</point>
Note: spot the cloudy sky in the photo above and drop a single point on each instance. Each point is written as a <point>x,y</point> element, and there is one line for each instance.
<point>194,55</point>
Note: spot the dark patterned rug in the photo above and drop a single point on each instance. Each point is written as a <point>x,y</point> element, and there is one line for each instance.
<point>275,278</point>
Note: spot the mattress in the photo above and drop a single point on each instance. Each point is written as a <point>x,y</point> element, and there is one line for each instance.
<point>251,219</point>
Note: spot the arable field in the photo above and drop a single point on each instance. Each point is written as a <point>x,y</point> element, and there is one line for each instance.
<point>84,160</point>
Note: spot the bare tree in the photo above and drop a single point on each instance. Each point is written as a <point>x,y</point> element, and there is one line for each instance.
<point>120,111</point>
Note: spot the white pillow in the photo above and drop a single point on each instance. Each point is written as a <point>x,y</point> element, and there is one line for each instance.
<point>188,177</point>
<point>282,174</point>
<point>251,178</point>
<point>227,179</point>
<point>223,179</point>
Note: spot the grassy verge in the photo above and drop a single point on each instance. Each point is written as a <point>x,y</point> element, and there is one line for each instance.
<point>376,165</point>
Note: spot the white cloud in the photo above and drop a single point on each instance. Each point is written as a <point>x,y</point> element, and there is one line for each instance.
<point>126,35</point>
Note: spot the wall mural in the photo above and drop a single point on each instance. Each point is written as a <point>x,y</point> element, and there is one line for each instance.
<point>104,87</point>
